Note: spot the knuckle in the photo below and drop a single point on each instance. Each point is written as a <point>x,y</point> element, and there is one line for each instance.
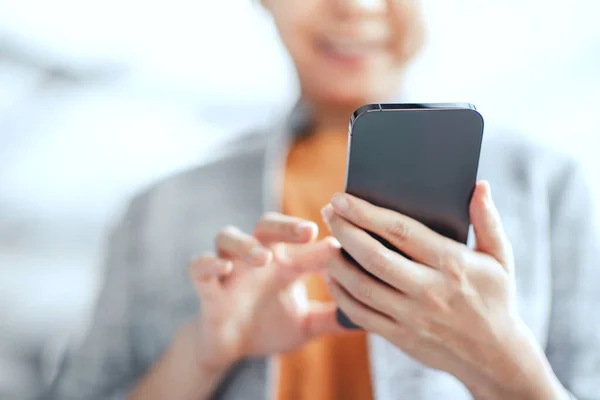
<point>379,264</point>
<point>199,264</point>
<point>453,264</point>
<point>504,279</point>
<point>460,294</point>
<point>456,299</point>
<point>353,283</point>
<point>288,228</point>
<point>434,301</point>
<point>398,230</point>
<point>358,214</point>
<point>364,291</point>
<point>357,316</point>
<point>275,224</point>
<point>493,222</point>
<point>452,267</point>
<point>462,257</point>
<point>249,243</point>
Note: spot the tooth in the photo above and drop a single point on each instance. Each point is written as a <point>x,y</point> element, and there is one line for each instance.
<point>350,50</point>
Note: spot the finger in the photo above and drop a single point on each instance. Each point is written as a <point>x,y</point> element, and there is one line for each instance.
<point>235,244</point>
<point>406,234</point>
<point>208,266</point>
<point>358,313</point>
<point>205,270</point>
<point>392,268</point>
<point>296,260</point>
<point>489,233</point>
<point>370,292</point>
<point>321,319</point>
<point>275,227</point>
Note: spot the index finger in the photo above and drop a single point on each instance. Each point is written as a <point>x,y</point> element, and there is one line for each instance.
<point>390,267</point>
<point>404,233</point>
<point>274,228</point>
<point>296,260</point>
<point>232,243</point>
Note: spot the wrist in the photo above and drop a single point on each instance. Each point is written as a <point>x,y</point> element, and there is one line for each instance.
<point>178,374</point>
<point>535,388</point>
<point>208,360</point>
<point>521,372</point>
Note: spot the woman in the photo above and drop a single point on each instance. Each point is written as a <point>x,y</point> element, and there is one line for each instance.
<point>512,318</point>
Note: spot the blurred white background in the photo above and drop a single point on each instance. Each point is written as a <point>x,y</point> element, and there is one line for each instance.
<point>99,98</point>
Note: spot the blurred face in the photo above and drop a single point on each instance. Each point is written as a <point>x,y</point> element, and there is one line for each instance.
<point>348,52</point>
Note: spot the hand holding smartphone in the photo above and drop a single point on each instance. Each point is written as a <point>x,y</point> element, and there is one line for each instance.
<point>420,160</point>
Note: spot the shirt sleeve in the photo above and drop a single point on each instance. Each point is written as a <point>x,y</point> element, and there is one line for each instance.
<point>102,366</point>
<point>573,347</point>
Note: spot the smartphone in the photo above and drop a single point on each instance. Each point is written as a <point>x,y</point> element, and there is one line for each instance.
<point>420,160</point>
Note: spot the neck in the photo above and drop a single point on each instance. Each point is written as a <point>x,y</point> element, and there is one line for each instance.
<point>327,118</point>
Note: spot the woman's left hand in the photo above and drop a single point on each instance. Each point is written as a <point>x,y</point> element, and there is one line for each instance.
<point>451,307</point>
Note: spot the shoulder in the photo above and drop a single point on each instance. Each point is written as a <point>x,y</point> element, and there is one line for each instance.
<point>526,160</point>
<point>235,165</point>
<point>525,150</point>
<point>528,173</point>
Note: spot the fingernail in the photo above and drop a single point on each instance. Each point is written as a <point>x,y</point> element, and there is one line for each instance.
<point>304,226</point>
<point>334,242</point>
<point>339,202</point>
<point>225,267</point>
<point>259,254</point>
<point>327,212</point>
<point>488,194</point>
<point>489,189</point>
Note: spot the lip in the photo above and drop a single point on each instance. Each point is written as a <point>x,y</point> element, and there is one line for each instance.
<point>357,45</point>
<point>352,51</point>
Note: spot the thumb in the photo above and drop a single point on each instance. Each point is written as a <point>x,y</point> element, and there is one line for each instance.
<point>489,233</point>
<point>320,319</point>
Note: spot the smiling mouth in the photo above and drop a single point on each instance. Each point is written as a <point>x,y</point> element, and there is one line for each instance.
<point>352,50</point>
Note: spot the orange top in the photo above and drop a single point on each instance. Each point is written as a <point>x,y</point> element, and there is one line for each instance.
<point>335,366</point>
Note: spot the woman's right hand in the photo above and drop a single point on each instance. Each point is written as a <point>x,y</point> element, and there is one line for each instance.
<point>252,300</point>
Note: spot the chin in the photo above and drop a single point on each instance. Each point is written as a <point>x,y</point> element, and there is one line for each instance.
<point>352,99</point>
